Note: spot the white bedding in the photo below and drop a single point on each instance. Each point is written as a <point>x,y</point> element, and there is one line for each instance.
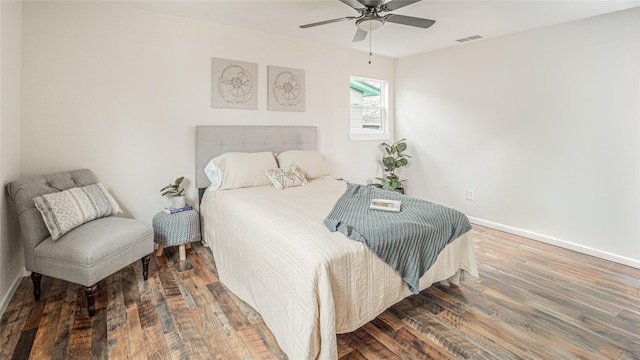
<point>272,250</point>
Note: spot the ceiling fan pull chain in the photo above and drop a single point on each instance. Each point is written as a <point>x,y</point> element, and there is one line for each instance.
<point>370,36</point>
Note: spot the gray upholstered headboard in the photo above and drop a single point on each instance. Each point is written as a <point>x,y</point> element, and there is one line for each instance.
<point>212,141</point>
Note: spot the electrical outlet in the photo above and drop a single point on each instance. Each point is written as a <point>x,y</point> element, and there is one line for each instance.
<point>471,195</point>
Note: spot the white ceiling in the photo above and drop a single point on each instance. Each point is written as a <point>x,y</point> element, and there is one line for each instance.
<point>454,19</point>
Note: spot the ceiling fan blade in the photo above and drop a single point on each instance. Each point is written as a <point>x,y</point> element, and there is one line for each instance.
<point>360,35</point>
<point>409,20</point>
<point>328,21</point>
<point>397,4</point>
<point>353,3</point>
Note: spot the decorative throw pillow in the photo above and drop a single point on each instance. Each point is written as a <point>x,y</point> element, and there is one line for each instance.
<point>65,210</point>
<point>285,178</point>
<point>312,163</point>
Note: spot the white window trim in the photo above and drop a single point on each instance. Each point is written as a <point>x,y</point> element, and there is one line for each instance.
<point>368,135</point>
<point>365,136</point>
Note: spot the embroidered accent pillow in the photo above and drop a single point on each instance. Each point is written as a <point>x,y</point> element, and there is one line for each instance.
<point>66,210</point>
<point>286,178</point>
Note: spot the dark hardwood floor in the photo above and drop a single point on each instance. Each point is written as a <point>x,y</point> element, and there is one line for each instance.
<point>532,301</point>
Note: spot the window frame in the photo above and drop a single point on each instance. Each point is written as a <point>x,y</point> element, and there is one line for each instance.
<point>364,134</point>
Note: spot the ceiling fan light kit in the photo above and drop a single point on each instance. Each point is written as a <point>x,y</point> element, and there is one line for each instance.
<point>370,24</point>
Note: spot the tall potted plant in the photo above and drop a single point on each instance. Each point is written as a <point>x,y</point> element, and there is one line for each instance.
<point>393,159</point>
<point>175,192</point>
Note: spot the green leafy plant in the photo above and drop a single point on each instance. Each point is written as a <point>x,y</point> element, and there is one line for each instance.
<point>173,189</point>
<point>394,158</point>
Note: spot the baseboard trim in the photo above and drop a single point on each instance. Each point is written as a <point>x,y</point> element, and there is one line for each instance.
<point>12,290</point>
<point>558,242</point>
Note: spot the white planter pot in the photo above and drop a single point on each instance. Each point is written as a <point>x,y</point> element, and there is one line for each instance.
<point>178,202</point>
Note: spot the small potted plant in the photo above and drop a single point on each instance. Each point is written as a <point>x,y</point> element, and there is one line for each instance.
<point>395,158</point>
<point>175,191</point>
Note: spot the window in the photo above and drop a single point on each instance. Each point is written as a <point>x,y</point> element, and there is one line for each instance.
<point>368,103</point>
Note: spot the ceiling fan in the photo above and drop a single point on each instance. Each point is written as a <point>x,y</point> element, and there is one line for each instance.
<point>370,18</point>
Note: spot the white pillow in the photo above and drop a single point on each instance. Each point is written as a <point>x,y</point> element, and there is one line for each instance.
<point>286,178</point>
<point>310,162</point>
<point>239,170</point>
<point>214,174</point>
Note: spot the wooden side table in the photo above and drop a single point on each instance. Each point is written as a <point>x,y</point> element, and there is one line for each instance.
<point>178,229</point>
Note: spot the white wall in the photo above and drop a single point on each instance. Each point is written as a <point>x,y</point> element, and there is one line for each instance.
<point>120,90</point>
<point>542,125</point>
<point>11,259</point>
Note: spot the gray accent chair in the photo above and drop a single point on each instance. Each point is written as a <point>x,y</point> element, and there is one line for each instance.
<point>86,254</point>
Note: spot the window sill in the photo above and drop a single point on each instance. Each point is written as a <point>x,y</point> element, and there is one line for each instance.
<point>367,136</point>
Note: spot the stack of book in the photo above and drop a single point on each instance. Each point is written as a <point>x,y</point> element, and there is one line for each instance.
<point>172,210</point>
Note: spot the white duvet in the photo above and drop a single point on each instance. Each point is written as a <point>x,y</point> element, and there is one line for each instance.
<point>272,250</point>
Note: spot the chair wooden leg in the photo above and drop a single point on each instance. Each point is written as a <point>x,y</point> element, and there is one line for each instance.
<point>183,252</point>
<point>91,292</point>
<point>145,266</point>
<point>35,278</point>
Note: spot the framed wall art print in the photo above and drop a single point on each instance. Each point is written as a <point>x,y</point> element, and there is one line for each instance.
<point>234,84</point>
<point>286,89</point>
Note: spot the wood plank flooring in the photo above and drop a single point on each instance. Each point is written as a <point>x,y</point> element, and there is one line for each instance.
<point>532,301</point>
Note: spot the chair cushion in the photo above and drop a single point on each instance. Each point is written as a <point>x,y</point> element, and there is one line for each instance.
<point>65,210</point>
<point>95,250</point>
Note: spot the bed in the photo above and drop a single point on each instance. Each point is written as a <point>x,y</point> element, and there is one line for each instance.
<point>273,251</point>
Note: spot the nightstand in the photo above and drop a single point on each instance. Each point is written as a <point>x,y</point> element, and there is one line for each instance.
<point>178,229</point>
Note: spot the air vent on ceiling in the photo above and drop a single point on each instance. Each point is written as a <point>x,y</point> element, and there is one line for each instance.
<point>474,37</point>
